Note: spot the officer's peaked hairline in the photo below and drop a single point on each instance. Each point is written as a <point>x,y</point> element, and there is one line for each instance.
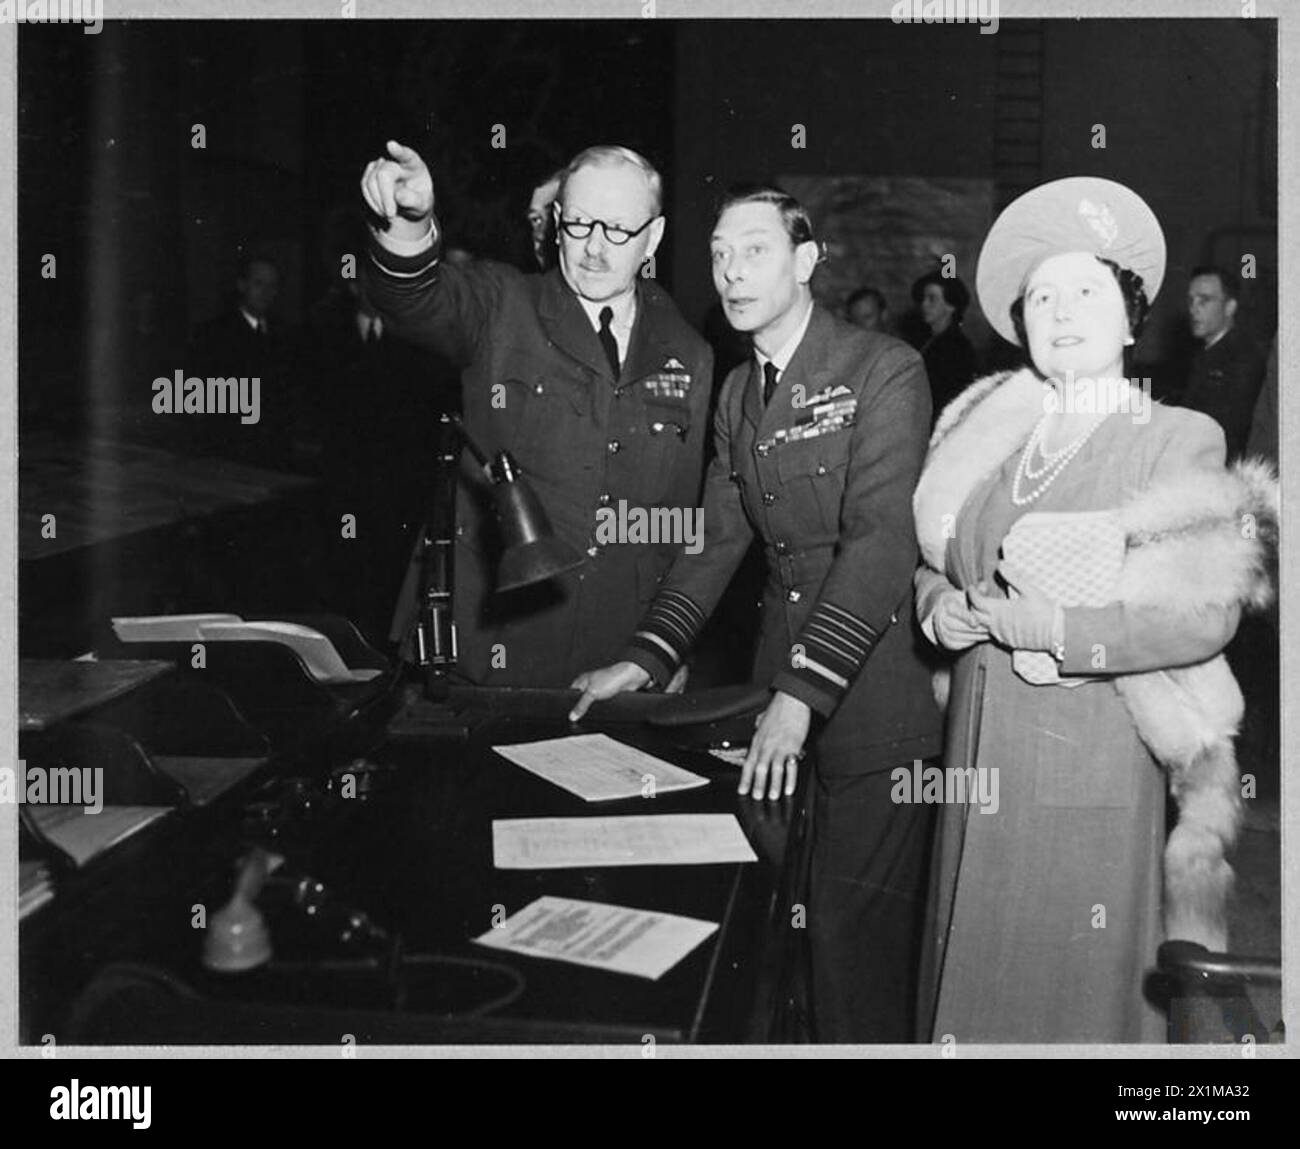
<point>608,155</point>
<point>795,218</point>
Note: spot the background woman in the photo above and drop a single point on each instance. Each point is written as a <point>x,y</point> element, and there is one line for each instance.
<point>948,354</point>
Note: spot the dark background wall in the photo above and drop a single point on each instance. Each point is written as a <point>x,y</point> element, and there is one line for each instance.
<point>147,229</point>
<point>1189,108</point>
<point>875,98</point>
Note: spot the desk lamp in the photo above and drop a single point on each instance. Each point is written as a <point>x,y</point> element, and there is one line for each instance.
<point>532,553</point>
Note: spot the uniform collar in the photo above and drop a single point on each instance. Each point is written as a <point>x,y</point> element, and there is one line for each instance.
<point>807,366</point>
<point>786,352</point>
<point>624,309</point>
<point>1220,337</point>
<point>569,325</point>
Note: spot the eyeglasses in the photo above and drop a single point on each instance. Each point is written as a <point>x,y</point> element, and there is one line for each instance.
<point>618,236</point>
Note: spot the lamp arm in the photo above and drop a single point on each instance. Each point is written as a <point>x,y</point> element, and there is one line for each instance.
<point>458,425</point>
<point>436,648</point>
<point>532,553</point>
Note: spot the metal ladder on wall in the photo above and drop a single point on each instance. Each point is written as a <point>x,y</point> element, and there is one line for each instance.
<point>1018,110</point>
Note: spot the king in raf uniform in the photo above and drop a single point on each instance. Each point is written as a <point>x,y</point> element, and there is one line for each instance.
<point>820,439</point>
<point>587,374</point>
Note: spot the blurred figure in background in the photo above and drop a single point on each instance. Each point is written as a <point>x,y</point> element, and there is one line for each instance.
<point>948,354</point>
<point>248,340</point>
<point>1227,370</point>
<point>866,308</point>
<point>541,220</point>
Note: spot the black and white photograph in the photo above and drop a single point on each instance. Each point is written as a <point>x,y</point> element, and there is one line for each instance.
<point>644,530</point>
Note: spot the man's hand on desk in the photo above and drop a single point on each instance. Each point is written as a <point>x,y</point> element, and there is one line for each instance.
<point>598,685</point>
<point>778,744</point>
<point>398,188</point>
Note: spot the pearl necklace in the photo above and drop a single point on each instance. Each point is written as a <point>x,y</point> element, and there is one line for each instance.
<point>1053,464</point>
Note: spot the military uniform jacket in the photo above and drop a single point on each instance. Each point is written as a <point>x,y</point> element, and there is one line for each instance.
<point>1224,383</point>
<point>824,476</point>
<point>537,383</point>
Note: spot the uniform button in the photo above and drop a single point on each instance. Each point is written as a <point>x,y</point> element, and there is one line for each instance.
<point>821,468</point>
<point>538,389</point>
<point>604,499</point>
<point>593,551</point>
<point>781,548</point>
<point>768,498</point>
<point>613,446</point>
<point>656,428</point>
<point>792,596</point>
<point>893,617</point>
<point>734,476</point>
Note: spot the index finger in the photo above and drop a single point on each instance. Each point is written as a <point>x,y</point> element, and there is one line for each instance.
<point>582,706</point>
<point>407,157</point>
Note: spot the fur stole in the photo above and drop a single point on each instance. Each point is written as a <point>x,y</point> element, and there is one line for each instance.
<point>1195,541</point>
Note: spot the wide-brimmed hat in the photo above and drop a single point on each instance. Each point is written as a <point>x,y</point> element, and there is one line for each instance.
<point>1080,213</point>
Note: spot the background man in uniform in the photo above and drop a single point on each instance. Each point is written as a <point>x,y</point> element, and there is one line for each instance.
<point>587,374</point>
<point>1228,369</point>
<point>820,439</point>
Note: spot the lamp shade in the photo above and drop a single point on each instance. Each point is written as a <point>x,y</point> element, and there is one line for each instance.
<point>531,551</point>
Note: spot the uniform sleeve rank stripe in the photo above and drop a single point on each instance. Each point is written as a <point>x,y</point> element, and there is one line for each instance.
<point>834,641</point>
<point>387,270</point>
<point>671,631</point>
<point>806,663</point>
<point>685,604</point>
<point>831,653</point>
<point>646,636</point>
<point>859,628</point>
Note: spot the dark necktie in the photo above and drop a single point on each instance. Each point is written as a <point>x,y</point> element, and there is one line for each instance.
<point>607,340</point>
<point>769,381</point>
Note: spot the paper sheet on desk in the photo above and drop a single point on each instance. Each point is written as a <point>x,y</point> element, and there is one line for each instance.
<point>636,840</point>
<point>598,769</point>
<point>639,942</point>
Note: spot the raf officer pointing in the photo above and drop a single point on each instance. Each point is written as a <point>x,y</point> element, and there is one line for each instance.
<point>820,439</point>
<point>587,374</point>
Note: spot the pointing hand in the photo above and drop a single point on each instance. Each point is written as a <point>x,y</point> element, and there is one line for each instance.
<point>398,186</point>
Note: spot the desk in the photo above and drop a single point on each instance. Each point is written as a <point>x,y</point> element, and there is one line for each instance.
<point>415,855</point>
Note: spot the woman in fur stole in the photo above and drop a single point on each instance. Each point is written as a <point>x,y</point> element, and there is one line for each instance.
<point>1086,644</point>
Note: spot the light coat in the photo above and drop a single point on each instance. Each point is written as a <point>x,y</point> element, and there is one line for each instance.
<point>1082,819</point>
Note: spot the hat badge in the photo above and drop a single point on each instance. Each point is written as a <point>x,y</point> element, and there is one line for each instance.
<point>1099,218</point>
